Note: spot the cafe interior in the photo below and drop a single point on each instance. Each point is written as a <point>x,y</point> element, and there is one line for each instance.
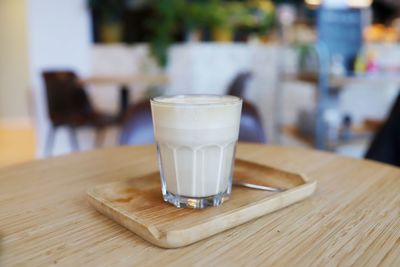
<point>77,76</point>
<point>309,79</point>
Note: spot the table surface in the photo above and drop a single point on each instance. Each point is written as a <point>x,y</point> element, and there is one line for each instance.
<point>353,218</point>
<point>377,80</point>
<point>150,79</point>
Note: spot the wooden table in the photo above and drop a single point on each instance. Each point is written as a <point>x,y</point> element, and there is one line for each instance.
<point>354,217</point>
<point>337,82</point>
<point>326,100</point>
<point>125,80</point>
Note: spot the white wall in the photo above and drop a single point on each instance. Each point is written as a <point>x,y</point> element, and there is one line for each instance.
<point>209,68</point>
<point>59,37</point>
<point>14,76</point>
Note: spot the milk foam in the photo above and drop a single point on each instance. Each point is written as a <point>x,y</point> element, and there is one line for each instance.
<point>196,112</point>
<point>197,100</point>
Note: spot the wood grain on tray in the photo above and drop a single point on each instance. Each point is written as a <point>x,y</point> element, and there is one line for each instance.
<point>137,204</point>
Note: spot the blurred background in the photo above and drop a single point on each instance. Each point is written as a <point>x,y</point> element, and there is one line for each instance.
<point>78,74</point>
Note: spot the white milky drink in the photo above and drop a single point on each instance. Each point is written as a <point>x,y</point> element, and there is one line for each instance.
<point>196,137</point>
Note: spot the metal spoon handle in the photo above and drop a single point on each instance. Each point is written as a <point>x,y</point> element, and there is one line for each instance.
<point>259,187</point>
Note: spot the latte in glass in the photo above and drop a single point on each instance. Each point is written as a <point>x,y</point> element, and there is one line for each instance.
<point>196,137</point>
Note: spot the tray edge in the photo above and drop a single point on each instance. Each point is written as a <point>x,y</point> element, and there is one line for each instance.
<point>173,239</point>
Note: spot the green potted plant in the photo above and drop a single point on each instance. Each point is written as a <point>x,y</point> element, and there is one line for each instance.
<point>219,17</point>
<point>221,23</point>
<point>110,14</point>
<point>165,23</point>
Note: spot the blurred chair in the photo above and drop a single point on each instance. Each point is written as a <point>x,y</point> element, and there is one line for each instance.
<point>69,106</point>
<point>251,129</point>
<point>137,128</point>
<point>385,146</point>
<point>238,85</point>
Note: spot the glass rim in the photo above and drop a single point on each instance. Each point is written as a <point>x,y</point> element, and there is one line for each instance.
<point>234,100</point>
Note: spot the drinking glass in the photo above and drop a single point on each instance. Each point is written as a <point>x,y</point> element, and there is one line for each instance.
<point>196,137</point>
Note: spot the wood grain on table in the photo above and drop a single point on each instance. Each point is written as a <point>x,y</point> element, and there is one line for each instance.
<point>353,218</point>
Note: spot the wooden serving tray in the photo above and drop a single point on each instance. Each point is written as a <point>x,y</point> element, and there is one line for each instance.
<point>137,204</point>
